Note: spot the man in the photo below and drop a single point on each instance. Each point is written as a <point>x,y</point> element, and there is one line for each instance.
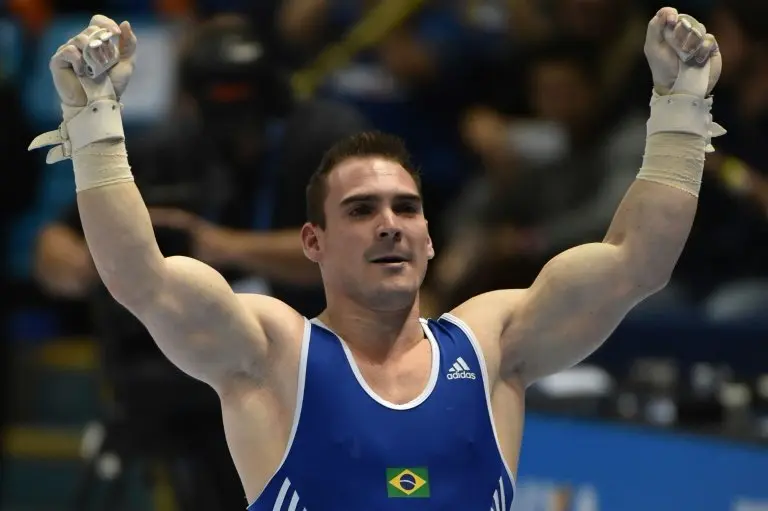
<point>402,407</point>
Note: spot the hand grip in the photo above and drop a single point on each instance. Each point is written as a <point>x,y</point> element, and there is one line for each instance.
<point>100,54</point>
<point>692,79</point>
<point>693,76</point>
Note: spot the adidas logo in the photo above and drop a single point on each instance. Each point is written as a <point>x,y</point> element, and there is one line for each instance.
<point>460,371</point>
<point>283,495</point>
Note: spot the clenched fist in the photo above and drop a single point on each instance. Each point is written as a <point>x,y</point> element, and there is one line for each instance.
<point>75,68</point>
<point>68,64</point>
<point>682,56</point>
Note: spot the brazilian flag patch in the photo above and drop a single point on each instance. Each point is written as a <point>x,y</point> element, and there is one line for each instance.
<point>409,483</point>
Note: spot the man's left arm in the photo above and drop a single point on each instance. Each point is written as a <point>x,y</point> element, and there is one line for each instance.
<point>582,295</point>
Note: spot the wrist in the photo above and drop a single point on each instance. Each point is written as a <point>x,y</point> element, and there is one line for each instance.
<point>101,164</point>
<point>674,159</point>
<point>682,113</point>
<point>98,121</point>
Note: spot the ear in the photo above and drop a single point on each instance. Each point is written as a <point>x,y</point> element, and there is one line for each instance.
<point>310,242</point>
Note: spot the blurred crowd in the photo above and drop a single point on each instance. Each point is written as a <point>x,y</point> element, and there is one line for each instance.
<point>526,119</point>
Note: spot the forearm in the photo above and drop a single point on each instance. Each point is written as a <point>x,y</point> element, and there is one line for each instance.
<point>655,217</point>
<point>274,255</point>
<point>117,226</point>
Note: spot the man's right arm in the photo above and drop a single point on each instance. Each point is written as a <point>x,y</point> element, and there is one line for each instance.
<point>187,306</point>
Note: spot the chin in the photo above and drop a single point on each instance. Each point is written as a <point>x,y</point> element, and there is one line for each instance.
<point>394,295</point>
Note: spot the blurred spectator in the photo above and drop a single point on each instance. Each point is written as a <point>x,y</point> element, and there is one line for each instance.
<point>615,28</point>
<point>553,179</point>
<point>725,265</point>
<point>411,80</point>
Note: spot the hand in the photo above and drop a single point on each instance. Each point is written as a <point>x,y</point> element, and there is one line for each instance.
<point>212,244</point>
<point>682,56</point>
<point>63,265</point>
<point>485,132</point>
<point>72,275</point>
<point>67,65</point>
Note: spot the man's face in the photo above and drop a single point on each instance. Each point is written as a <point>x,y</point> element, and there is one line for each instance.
<point>375,246</point>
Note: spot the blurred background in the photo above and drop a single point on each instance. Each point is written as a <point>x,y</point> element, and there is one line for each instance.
<point>527,120</point>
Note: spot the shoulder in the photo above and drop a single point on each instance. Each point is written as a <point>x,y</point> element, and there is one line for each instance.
<point>487,317</point>
<point>280,323</point>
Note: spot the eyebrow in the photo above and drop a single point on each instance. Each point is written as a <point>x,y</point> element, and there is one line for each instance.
<point>367,197</point>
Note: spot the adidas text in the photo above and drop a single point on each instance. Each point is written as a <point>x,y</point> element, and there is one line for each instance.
<point>463,375</point>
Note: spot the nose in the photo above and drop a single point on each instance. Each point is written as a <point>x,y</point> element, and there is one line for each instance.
<point>388,227</point>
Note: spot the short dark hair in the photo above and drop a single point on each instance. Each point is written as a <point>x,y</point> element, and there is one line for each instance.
<point>368,143</point>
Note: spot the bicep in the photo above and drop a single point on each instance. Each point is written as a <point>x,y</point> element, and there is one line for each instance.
<point>575,303</point>
<point>199,323</point>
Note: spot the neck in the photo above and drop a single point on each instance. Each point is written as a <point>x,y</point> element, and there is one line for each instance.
<point>376,334</point>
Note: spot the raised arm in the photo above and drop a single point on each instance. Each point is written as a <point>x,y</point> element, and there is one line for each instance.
<point>582,295</point>
<point>188,308</point>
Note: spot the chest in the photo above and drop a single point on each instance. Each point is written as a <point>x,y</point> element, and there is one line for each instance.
<point>399,382</point>
<point>436,444</point>
<point>363,413</point>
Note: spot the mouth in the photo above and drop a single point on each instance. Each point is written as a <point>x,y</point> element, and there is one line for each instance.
<point>392,259</point>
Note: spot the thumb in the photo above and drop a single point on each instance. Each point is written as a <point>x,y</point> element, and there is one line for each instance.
<point>666,17</point>
<point>66,65</point>
<point>127,40</point>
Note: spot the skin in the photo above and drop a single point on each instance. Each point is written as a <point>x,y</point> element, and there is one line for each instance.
<point>248,347</point>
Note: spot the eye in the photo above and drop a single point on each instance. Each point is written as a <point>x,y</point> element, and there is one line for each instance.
<point>361,210</point>
<point>407,208</point>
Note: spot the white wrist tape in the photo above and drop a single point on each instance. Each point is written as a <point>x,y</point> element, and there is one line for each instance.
<point>674,159</point>
<point>683,113</point>
<point>92,136</point>
<point>101,164</point>
<point>97,122</point>
<point>679,132</point>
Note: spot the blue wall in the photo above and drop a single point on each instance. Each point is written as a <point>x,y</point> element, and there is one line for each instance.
<point>574,465</point>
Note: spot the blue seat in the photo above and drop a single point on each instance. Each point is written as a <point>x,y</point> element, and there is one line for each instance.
<point>10,49</point>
